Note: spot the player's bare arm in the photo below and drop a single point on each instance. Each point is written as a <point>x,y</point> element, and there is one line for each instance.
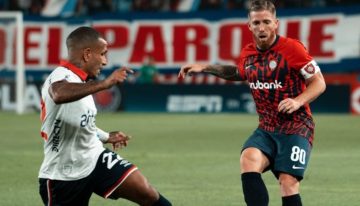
<point>63,91</point>
<point>228,72</point>
<point>314,87</point>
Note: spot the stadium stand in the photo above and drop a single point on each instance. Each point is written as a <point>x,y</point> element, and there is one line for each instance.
<point>87,7</point>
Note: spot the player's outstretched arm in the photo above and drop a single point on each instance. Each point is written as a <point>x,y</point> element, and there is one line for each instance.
<point>64,91</point>
<point>228,72</point>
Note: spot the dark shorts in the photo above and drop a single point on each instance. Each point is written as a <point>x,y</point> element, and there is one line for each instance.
<point>287,153</point>
<point>109,173</point>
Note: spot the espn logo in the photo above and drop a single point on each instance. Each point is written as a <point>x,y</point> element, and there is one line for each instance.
<point>265,85</point>
<point>194,103</point>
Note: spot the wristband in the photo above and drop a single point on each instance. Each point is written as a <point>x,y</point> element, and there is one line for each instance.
<point>102,135</point>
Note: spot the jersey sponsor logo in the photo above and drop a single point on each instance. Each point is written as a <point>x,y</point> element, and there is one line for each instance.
<point>265,85</point>
<point>56,135</point>
<point>87,118</point>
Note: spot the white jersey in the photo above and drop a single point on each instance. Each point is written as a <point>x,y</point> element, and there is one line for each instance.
<point>71,146</point>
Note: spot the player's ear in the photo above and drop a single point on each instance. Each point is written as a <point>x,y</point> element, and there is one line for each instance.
<point>86,54</point>
<point>249,22</point>
<point>249,25</point>
<point>276,23</point>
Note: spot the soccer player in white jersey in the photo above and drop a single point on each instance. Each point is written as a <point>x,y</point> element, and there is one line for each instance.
<point>76,164</point>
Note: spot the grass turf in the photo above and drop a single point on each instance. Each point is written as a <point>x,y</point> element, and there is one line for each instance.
<point>192,159</point>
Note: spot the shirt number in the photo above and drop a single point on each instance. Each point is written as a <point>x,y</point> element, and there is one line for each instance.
<point>298,155</point>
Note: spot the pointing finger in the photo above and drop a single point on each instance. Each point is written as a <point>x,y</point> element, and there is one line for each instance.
<point>127,70</point>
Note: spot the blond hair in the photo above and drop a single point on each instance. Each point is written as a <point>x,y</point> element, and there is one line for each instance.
<point>260,5</point>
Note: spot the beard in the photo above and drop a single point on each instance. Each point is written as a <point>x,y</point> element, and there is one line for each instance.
<point>265,42</point>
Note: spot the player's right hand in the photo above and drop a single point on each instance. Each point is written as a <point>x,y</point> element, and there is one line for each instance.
<point>191,68</point>
<point>118,76</point>
<point>118,139</point>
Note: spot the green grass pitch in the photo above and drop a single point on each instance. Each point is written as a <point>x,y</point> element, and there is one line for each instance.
<point>192,159</point>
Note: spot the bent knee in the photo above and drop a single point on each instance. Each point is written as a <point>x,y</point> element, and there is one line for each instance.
<point>136,188</point>
<point>146,194</point>
<point>149,195</point>
<point>253,160</point>
<point>289,185</point>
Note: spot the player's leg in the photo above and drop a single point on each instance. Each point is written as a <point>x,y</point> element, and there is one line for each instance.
<point>253,162</point>
<point>289,167</point>
<point>289,188</point>
<point>137,189</point>
<point>115,177</point>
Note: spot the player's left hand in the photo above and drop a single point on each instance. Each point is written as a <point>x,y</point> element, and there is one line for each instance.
<point>118,139</point>
<point>288,106</point>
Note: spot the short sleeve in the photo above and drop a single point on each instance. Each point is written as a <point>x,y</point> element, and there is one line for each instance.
<point>60,74</point>
<point>241,65</point>
<point>299,59</point>
<point>241,69</point>
<point>298,55</point>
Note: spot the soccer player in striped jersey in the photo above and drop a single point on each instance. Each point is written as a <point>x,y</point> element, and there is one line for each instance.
<point>76,164</point>
<point>283,80</point>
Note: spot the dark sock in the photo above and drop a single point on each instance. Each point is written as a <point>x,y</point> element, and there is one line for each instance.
<point>254,189</point>
<point>292,200</point>
<point>162,201</point>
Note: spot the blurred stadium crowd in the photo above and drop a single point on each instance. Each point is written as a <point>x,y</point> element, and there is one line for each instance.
<point>90,7</point>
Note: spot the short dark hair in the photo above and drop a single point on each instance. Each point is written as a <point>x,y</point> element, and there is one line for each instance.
<point>260,5</point>
<point>82,37</point>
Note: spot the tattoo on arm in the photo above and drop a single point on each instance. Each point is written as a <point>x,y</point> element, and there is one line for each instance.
<point>228,72</point>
